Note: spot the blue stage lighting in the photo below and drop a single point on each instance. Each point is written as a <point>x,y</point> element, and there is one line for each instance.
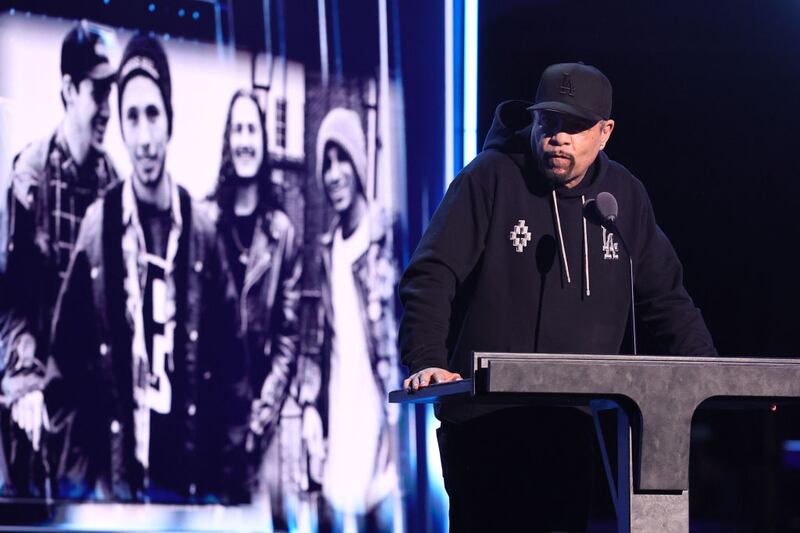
<point>181,12</point>
<point>791,455</point>
<point>106,2</point>
<point>151,8</point>
<point>196,15</point>
<point>470,101</point>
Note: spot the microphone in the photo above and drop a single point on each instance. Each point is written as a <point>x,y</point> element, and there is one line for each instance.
<point>608,209</point>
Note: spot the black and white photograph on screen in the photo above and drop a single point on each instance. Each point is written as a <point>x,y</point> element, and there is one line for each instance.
<point>206,207</point>
<point>197,279</point>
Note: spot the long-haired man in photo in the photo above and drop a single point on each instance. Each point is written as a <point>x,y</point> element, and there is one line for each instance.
<point>262,253</point>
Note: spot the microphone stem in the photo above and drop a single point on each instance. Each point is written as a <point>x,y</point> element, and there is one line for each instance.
<point>613,227</point>
<point>633,305</point>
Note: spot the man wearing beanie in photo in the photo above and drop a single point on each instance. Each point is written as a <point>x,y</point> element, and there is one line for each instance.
<point>518,258</point>
<point>145,350</point>
<point>359,476</point>
<point>53,181</point>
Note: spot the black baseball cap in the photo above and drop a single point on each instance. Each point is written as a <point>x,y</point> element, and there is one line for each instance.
<point>84,55</point>
<point>576,89</point>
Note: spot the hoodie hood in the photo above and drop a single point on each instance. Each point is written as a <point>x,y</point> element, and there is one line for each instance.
<point>510,133</point>
<point>511,129</point>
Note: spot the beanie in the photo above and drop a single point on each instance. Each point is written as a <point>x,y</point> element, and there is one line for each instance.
<point>343,127</point>
<point>144,56</point>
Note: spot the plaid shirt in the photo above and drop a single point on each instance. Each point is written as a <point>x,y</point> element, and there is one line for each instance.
<point>47,200</point>
<point>71,190</point>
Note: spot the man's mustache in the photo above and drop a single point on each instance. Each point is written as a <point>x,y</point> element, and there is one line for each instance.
<point>553,155</point>
<point>100,119</point>
<point>245,150</point>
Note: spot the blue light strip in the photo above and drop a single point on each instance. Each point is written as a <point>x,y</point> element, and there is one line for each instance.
<point>267,28</point>
<point>461,144</point>
<point>458,84</point>
<point>438,502</point>
<point>281,16</point>
<point>461,85</point>
<point>323,41</point>
<point>449,104</point>
<point>337,42</point>
<point>470,103</point>
<point>117,517</point>
<point>217,30</point>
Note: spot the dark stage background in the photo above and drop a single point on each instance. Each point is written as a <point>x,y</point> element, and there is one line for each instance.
<point>706,104</point>
<point>706,108</point>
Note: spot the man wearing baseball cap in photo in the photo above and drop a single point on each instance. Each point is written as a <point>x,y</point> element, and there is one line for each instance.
<point>53,181</point>
<point>520,258</point>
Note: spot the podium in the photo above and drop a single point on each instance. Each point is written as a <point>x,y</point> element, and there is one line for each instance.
<point>654,398</point>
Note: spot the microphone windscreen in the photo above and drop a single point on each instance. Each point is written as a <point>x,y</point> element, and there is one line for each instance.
<point>607,206</point>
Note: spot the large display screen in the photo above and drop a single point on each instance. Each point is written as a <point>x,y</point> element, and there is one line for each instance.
<point>198,270</point>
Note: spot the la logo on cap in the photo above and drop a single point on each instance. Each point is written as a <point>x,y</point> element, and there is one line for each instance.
<point>567,87</point>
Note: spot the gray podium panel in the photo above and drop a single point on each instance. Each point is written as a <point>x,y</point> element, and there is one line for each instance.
<point>666,391</point>
<point>659,393</point>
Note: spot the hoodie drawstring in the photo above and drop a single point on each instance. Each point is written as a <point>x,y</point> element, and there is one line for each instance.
<point>561,238</point>
<point>585,247</point>
<point>564,261</point>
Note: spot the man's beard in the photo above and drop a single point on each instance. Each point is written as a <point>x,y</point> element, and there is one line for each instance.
<point>249,163</point>
<point>558,176</point>
<point>153,178</point>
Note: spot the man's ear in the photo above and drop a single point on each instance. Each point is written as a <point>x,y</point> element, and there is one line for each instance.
<point>68,89</point>
<point>605,132</point>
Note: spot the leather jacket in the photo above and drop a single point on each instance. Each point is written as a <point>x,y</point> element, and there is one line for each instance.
<point>268,308</point>
<point>89,390</point>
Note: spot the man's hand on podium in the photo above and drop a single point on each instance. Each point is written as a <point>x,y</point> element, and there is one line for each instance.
<point>429,376</point>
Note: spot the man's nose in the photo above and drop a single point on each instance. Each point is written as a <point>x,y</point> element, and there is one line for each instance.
<point>144,137</point>
<point>559,137</point>
<point>103,109</point>
<point>334,176</point>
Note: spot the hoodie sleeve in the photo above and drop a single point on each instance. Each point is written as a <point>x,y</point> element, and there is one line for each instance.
<point>663,306</point>
<point>448,252</point>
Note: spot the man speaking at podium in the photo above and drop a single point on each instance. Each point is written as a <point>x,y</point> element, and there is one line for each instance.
<point>521,257</point>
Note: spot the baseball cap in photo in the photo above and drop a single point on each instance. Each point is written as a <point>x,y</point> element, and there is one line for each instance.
<point>84,54</point>
<point>576,89</point>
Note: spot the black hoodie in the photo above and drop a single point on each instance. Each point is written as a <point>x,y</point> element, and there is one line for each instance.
<point>510,264</point>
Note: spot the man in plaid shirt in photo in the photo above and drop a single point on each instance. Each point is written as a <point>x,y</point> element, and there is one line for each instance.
<point>53,181</point>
